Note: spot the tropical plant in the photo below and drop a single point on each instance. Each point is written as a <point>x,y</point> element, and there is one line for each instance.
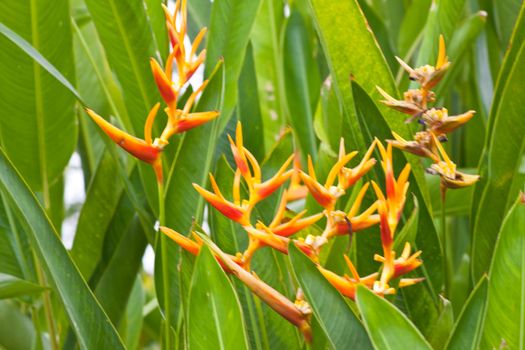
<point>234,217</point>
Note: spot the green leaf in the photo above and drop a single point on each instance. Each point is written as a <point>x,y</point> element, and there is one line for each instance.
<point>215,320</point>
<point>302,82</point>
<point>86,315</point>
<point>230,26</point>
<point>387,326</point>
<point>341,326</point>
<point>37,125</point>
<point>20,335</point>
<point>505,318</point>
<point>13,287</point>
<point>499,165</point>
<point>102,197</point>
<point>467,331</point>
<point>412,25</point>
<point>505,13</point>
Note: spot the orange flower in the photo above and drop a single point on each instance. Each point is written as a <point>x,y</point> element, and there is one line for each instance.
<point>349,176</point>
<point>144,150</point>
<point>286,228</point>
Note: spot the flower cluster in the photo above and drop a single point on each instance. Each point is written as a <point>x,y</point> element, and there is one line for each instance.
<point>436,121</point>
<point>385,211</point>
<point>180,118</point>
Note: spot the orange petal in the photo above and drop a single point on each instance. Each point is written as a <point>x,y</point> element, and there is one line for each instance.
<point>230,210</point>
<point>343,285</point>
<point>193,120</point>
<point>296,225</point>
<point>136,147</point>
<point>186,243</point>
<point>168,93</point>
<point>318,191</point>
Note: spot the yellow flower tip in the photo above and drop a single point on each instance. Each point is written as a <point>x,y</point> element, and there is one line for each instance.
<point>379,193</point>
<point>318,191</point>
<point>442,55</point>
<point>186,243</point>
<point>296,224</point>
<point>352,268</point>
<point>345,286</point>
<point>149,123</point>
<point>268,187</point>
<point>406,282</point>
<point>136,147</point>
<point>193,120</point>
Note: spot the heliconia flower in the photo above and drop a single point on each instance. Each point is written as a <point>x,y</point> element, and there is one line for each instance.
<point>180,120</point>
<point>349,176</point>
<point>177,31</point>
<point>263,190</point>
<point>406,282</point>
<point>421,146</point>
<point>164,84</point>
<point>293,225</point>
<point>396,190</point>
<point>405,263</point>
<point>408,106</point>
<point>446,169</point>
<point>284,307</point>
<point>428,76</point>
<point>438,120</point>
<point>239,154</point>
<point>194,247</point>
<point>265,236</point>
<point>231,210</point>
<point>344,284</point>
<point>144,150</point>
<point>296,190</point>
<point>326,195</point>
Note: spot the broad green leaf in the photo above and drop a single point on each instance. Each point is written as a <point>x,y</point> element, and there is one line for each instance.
<point>37,125</point>
<point>339,323</point>
<point>20,335</point>
<point>387,326</point>
<point>442,20</point>
<point>84,311</point>
<point>499,165</point>
<point>11,246</point>
<point>302,82</point>
<point>13,287</point>
<point>505,13</point>
<point>115,284</point>
<point>131,327</point>
<point>467,331</point>
<point>412,25</point>
<point>464,37</point>
<point>198,16</point>
<point>266,39</point>
<point>458,201</point>
<point>157,21</point>
<point>505,318</point>
<point>408,233</point>
<point>102,198</point>
<point>215,320</point>
<point>230,26</point>
<point>249,109</point>
<point>128,41</point>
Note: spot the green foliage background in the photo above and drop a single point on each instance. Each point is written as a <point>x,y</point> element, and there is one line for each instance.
<point>310,65</point>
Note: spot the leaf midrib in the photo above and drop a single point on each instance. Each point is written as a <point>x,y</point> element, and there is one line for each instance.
<point>39,108</point>
<point>132,58</point>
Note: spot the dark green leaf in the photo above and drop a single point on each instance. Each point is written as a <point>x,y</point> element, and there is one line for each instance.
<point>73,291</point>
<point>505,321</point>
<point>215,320</point>
<point>341,326</point>
<point>388,327</point>
<point>13,287</point>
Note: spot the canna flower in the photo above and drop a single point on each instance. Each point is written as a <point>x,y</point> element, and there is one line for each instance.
<point>144,150</point>
<point>446,169</point>
<point>422,145</point>
<point>439,122</point>
<point>428,76</point>
<point>347,285</point>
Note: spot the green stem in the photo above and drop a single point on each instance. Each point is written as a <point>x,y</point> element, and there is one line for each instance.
<point>444,238</point>
<point>48,310</point>
<point>165,275</point>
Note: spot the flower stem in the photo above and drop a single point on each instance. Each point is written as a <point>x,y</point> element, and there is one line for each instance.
<point>164,261</point>
<point>444,239</point>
